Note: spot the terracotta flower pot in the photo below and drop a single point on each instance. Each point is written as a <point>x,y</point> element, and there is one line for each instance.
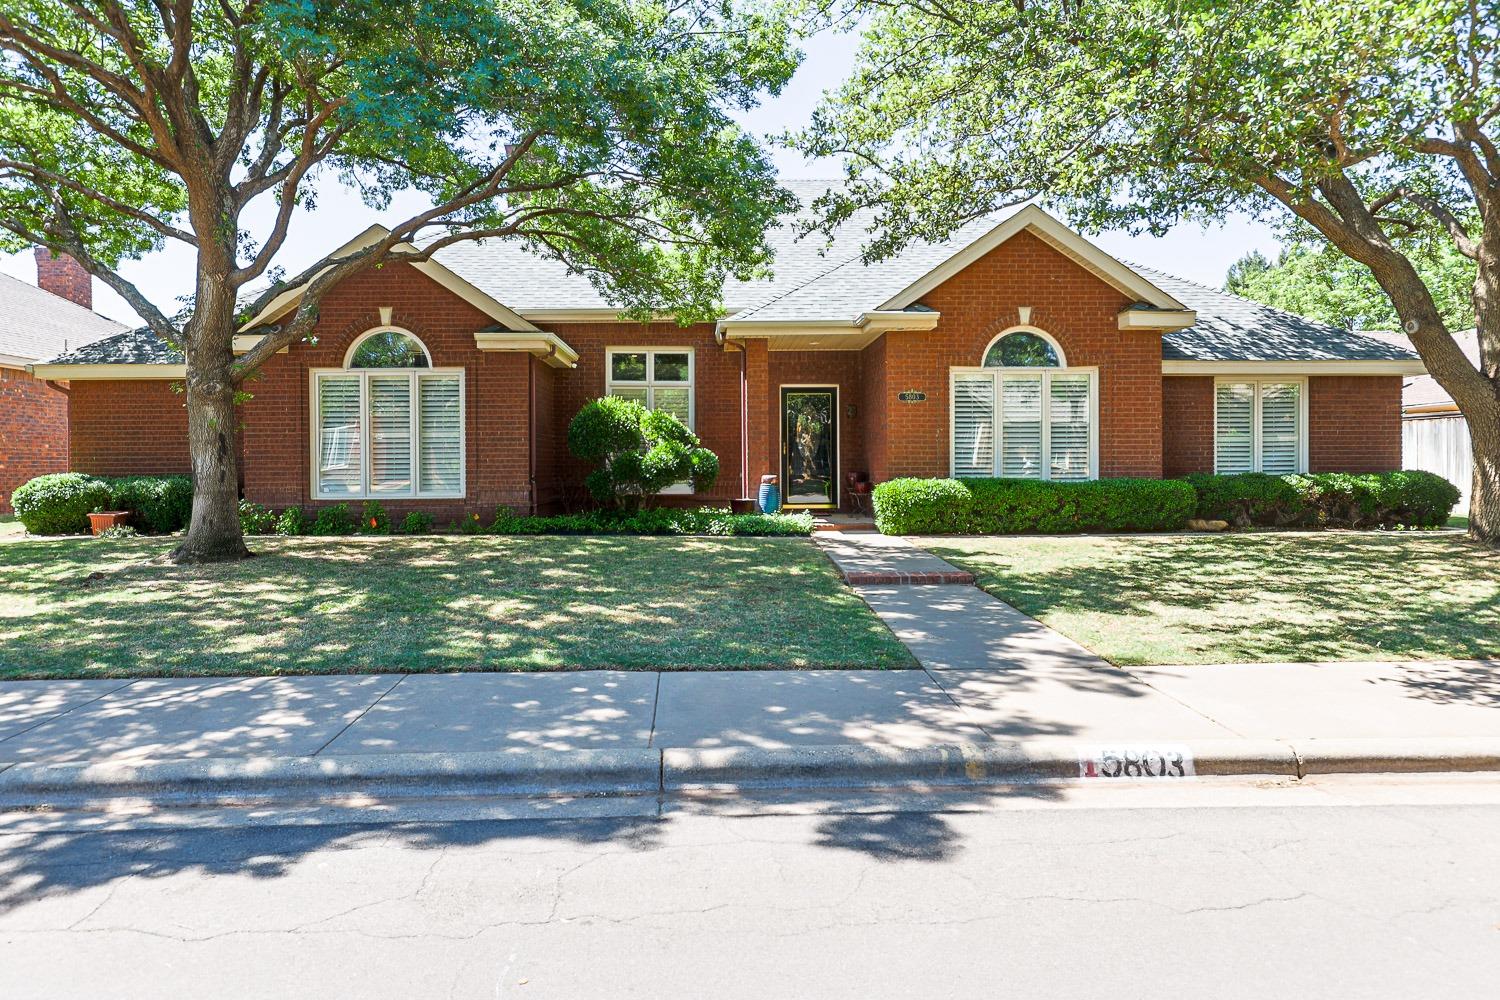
<point>102,521</point>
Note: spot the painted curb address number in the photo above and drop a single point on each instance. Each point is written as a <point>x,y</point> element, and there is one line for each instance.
<point>1168,761</point>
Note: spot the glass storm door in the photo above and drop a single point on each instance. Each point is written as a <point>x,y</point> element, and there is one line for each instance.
<point>809,447</point>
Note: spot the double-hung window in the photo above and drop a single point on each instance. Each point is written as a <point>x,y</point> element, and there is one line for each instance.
<point>388,424</point>
<point>1025,415</point>
<point>659,379</point>
<point>1259,426</point>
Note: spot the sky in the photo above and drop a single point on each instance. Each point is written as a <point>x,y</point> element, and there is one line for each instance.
<point>1189,251</point>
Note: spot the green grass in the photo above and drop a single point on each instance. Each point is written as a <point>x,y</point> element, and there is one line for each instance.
<point>1263,597</point>
<point>85,608</point>
<point>1459,521</point>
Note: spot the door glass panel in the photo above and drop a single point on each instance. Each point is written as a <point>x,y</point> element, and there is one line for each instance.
<point>808,429</point>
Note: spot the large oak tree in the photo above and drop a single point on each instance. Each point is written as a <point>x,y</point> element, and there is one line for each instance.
<point>596,130</point>
<point>1373,123</point>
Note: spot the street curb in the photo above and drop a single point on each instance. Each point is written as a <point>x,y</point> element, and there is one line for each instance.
<point>215,781</point>
<point>592,773</point>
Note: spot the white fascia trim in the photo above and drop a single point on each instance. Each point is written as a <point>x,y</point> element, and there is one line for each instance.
<point>549,347</point>
<point>1157,319</point>
<point>874,321</point>
<point>15,361</point>
<point>1270,369</point>
<point>480,300</point>
<point>74,373</point>
<point>1061,238</point>
<point>244,343</point>
<point>602,314</point>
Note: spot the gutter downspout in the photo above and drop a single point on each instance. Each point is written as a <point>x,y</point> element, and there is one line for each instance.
<point>531,430</point>
<point>744,424</point>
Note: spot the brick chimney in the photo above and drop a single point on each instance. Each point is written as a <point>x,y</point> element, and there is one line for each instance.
<point>64,276</point>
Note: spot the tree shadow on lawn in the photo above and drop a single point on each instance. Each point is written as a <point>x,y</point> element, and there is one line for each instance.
<point>1271,597</point>
<point>332,605</point>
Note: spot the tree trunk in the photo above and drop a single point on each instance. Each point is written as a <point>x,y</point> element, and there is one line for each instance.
<point>1484,501</point>
<point>213,534</point>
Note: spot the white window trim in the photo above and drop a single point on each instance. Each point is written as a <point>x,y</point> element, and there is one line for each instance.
<point>1062,358</point>
<point>650,384</point>
<point>1092,371</point>
<point>374,331</point>
<point>1256,459</point>
<point>363,374</point>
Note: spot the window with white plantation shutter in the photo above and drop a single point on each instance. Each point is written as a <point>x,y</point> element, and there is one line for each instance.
<point>1280,442</point>
<point>340,443</point>
<point>1234,427</point>
<point>1021,426</point>
<point>1258,427</point>
<point>390,434</point>
<point>441,439</point>
<point>384,430</point>
<point>1068,426</point>
<point>657,379</point>
<point>1024,425</point>
<point>974,425</point>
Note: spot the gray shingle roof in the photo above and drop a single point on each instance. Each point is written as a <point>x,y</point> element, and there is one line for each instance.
<point>128,347</point>
<point>1423,390</point>
<point>35,324</point>
<point>1230,328</point>
<point>820,279</point>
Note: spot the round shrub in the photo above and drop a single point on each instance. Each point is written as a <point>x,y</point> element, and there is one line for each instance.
<point>639,452</point>
<point>161,504</point>
<point>59,504</point>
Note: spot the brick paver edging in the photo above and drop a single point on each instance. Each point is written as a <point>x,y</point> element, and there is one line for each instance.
<point>858,579</point>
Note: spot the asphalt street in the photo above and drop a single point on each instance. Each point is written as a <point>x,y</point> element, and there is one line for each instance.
<point>1332,889</point>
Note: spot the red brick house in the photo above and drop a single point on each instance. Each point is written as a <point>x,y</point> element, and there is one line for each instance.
<point>40,321</point>
<point>1016,348</point>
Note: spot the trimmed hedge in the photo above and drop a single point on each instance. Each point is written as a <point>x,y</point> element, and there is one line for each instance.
<point>1020,506</point>
<point>161,504</point>
<point>59,504</point>
<point>1406,499</point>
<point>655,521</point>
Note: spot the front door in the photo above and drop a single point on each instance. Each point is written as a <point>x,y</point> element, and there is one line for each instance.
<point>809,446</point>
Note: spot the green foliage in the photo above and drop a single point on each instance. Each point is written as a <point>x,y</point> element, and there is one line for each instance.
<point>1409,499</point>
<point>256,519</point>
<point>333,520</point>
<point>59,504</point>
<point>291,522</point>
<point>1315,280</point>
<point>469,524</point>
<point>639,452</point>
<point>116,532</point>
<point>374,520</point>
<point>1020,506</point>
<point>161,504</point>
<point>656,521</point>
<point>418,522</point>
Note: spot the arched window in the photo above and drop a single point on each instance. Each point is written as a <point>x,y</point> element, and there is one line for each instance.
<point>1024,413</point>
<point>387,424</point>
<point>1023,349</point>
<point>387,347</point>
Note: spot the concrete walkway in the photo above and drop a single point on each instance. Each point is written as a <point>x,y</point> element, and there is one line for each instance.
<point>868,558</point>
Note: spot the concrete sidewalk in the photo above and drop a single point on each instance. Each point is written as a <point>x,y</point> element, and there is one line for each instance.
<point>1040,697</point>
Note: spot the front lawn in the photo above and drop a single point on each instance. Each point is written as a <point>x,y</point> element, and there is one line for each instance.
<point>86,608</point>
<point>1282,596</point>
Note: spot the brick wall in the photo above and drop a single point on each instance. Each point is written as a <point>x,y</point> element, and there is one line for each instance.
<point>33,431</point>
<point>716,395</point>
<point>127,428</point>
<point>1067,301</point>
<point>1354,423</point>
<point>277,434</point>
<point>1187,425</point>
<point>64,276</point>
<point>548,437</point>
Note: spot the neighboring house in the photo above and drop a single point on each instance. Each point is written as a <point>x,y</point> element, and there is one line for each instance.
<point>40,321</point>
<point>1434,434</point>
<point>1016,348</point>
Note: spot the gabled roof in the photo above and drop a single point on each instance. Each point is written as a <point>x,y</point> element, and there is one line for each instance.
<point>1230,328</point>
<point>140,346</point>
<point>434,269</point>
<point>36,324</point>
